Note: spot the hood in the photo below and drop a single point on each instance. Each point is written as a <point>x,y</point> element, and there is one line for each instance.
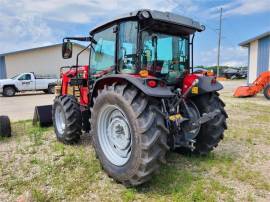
<point>6,81</point>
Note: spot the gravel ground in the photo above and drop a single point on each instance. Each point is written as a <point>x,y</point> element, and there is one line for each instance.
<point>21,106</point>
<point>231,85</point>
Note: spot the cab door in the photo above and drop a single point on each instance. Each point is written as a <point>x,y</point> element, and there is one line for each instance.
<point>103,57</point>
<point>26,82</point>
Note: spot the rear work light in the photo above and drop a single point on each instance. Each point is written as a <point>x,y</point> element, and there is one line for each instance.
<point>152,83</point>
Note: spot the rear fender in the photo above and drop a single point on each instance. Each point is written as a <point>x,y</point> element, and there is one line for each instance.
<point>209,84</point>
<point>206,84</point>
<point>140,83</point>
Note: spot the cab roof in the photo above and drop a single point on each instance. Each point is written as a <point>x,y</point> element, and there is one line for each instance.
<point>164,17</point>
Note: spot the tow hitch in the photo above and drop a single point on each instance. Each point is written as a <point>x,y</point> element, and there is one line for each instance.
<point>208,116</point>
<point>186,126</point>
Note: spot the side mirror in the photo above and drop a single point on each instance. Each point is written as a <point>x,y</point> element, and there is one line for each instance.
<point>67,50</point>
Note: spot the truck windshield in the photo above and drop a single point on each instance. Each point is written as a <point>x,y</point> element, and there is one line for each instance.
<point>14,77</point>
<point>164,55</point>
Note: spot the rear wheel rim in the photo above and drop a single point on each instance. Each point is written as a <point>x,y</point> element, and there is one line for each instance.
<point>60,120</point>
<point>114,135</point>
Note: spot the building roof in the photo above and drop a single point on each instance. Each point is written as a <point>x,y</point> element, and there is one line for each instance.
<point>247,42</point>
<point>37,48</point>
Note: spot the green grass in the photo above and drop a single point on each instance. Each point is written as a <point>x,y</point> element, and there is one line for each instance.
<point>33,163</point>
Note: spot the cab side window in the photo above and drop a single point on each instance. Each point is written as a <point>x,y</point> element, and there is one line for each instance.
<point>25,77</point>
<point>103,55</point>
<point>127,57</point>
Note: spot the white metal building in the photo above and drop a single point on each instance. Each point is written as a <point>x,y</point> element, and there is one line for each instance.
<point>258,55</point>
<point>45,60</point>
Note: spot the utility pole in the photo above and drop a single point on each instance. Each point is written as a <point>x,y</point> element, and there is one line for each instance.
<point>219,40</point>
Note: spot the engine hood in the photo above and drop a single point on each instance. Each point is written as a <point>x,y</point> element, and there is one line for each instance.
<point>6,81</point>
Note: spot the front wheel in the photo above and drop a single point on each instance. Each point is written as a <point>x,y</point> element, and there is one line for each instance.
<point>129,137</point>
<point>67,121</point>
<point>211,132</point>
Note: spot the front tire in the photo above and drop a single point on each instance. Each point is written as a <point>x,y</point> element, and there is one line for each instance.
<point>67,121</point>
<point>211,132</point>
<point>129,137</point>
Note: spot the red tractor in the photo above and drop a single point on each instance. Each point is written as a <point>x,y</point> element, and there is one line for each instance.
<point>138,97</point>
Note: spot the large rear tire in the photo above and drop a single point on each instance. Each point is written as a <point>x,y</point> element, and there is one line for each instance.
<point>266,92</point>
<point>67,120</point>
<point>5,128</point>
<point>129,137</point>
<point>212,132</point>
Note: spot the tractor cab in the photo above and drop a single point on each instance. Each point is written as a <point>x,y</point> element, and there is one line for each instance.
<point>160,43</point>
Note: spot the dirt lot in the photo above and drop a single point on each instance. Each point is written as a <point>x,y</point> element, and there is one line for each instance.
<point>34,166</point>
<point>21,106</point>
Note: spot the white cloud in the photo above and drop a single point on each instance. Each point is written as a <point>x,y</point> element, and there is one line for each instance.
<point>22,32</point>
<point>240,7</point>
<point>28,23</point>
<point>230,56</point>
<point>82,11</point>
<point>248,7</point>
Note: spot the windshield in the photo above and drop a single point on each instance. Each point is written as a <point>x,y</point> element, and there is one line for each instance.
<point>164,55</point>
<point>14,77</point>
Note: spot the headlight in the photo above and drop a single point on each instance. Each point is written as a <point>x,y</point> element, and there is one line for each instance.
<point>144,14</point>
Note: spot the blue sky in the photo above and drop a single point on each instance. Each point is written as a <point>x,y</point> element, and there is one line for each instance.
<point>31,23</point>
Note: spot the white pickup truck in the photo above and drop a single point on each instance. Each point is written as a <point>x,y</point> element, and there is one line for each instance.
<point>26,82</point>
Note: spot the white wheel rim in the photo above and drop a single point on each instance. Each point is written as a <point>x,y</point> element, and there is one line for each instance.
<point>60,119</point>
<point>114,135</point>
<point>9,92</point>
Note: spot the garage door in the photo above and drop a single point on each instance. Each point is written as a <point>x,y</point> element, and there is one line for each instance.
<point>3,73</point>
<point>263,55</point>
